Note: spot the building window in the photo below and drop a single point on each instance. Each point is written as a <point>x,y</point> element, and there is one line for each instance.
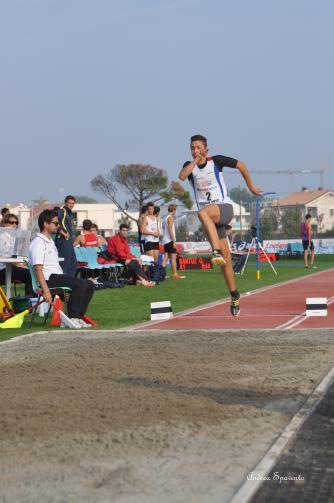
<point>331,212</point>
<point>313,211</point>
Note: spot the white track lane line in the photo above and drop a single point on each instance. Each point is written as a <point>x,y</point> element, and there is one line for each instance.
<point>299,318</point>
<point>250,487</point>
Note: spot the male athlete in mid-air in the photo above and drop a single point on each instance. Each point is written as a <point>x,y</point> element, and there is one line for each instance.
<point>215,207</point>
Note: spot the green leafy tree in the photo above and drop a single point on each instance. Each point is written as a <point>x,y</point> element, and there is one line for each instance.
<point>291,221</point>
<point>200,235</point>
<point>143,183</point>
<point>242,196</point>
<point>266,228</point>
<point>268,225</point>
<point>176,191</point>
<point>85,200</point>
<point>125,220</point>
<point>182,232</point>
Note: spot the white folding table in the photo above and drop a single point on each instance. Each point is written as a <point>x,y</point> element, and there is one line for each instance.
<point>9,261</point>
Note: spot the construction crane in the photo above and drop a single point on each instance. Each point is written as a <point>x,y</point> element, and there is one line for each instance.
<point>320,171</point>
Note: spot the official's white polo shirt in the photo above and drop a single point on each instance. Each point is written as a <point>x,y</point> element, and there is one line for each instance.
<point>43,251</point>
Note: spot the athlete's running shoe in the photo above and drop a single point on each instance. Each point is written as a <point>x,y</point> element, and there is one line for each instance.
<point>235,305</point>
<point>217,258</point>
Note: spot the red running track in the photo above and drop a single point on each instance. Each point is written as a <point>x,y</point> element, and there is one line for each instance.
<point>278,306</point>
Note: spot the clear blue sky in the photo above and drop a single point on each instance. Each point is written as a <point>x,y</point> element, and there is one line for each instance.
<point>89,84</point>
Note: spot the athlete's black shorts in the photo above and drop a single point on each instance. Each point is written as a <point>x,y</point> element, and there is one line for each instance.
<point>169,248</point>
<point>151,245</point>
<point>307,245</point>
<point>226,215</point>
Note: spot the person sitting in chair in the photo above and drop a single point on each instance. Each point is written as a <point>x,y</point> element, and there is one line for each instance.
<point>118,249</point>
<point>43,256</point>
<point>100,239</point>
<point>88,236</point>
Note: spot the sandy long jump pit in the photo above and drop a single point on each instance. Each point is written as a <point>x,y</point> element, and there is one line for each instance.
<point>146,417</point>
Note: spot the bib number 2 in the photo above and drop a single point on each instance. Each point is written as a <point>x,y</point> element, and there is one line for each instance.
<point>208,197</point>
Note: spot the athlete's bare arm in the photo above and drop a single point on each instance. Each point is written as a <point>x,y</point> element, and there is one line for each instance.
<point>187,170</point>
<point>170,228</point>
<point>143,228</point>
<point>241,166</point>
<point>79,240</point>
<point>146,232</point>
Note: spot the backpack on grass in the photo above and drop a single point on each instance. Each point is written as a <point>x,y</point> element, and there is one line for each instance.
<point>156,273</point>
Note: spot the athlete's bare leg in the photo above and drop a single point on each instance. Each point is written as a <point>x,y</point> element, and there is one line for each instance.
<point>164,260</point>
<point>173,265</point>
<point>306,257</point>
<point>172,259</point>
<point>210,217</point>
<point>154,254</point>
<point>229,277</point>
<point>227,268</point>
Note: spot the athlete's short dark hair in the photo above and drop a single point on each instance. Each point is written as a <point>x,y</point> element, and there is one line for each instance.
<point>307,216</point>
<point>45,217</point>
<point>123,226</point>
<point>87,224</point>
<point>149,205</point>
<point>199,137</point>
<point>69,198</point>
<point>156,210</point>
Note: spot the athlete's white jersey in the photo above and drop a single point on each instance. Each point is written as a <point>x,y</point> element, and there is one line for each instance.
<point>208,183</point>
<point>166,237</point>
<point>151,226</point>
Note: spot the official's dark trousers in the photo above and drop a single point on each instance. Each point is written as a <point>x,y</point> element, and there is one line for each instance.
<point>135,270</point>
<point>80,297</point>
<point>66,251</point>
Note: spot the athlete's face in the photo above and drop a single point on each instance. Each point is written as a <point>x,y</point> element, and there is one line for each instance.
<point>124,232</point>
<point>150,210</point>
<point>70,204</point>
<point>198,149</point>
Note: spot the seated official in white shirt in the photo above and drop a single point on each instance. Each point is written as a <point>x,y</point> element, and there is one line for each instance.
<point>43,255</point>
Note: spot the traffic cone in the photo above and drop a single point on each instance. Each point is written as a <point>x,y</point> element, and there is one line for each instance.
<point>89,320</point>
<point>56,320</point>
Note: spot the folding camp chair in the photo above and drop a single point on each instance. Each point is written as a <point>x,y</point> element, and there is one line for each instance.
<point>64,291</point>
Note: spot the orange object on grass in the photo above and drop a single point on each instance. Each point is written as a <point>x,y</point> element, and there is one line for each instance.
<point>56,319</point>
